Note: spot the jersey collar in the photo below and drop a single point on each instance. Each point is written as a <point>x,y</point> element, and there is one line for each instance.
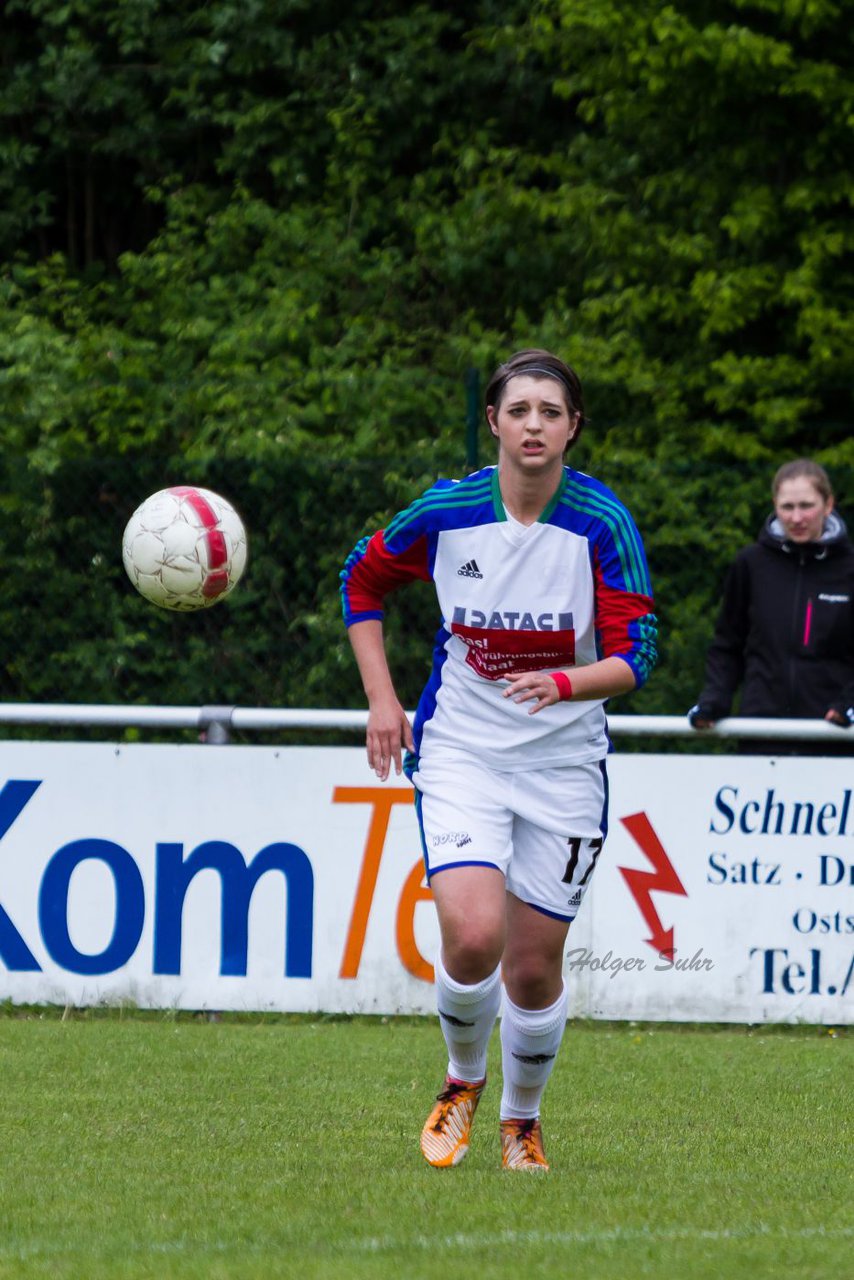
<point>548,509</point>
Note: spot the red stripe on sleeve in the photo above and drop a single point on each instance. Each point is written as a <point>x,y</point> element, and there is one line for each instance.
<point>379,572</point>
<point>615,612</point>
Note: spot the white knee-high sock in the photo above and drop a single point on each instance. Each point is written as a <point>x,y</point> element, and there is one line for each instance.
<point>467,1015</point>
<point>530,1039</point>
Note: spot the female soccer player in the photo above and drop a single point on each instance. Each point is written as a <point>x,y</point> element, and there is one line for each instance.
<point>546,613</point>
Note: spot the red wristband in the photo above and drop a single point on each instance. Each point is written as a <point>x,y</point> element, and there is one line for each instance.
<point>564,685</point>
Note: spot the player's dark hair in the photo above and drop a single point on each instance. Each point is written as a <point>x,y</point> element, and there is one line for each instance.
<point>803,468</point>
<point>537,363</point>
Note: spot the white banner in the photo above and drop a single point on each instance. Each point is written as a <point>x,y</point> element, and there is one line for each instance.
<point>264,878</point>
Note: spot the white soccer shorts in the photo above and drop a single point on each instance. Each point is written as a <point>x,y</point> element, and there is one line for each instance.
<point>542,828</point>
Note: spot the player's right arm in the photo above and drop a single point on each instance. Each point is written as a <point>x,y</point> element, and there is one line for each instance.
<point>377,565</point>
<point>389,730</point>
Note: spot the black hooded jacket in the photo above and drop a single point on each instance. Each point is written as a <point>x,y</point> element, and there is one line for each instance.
<point>785,630</point>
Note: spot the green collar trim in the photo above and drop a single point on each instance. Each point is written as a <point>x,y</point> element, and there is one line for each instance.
<point>544,516</point>
<point>497,500</point>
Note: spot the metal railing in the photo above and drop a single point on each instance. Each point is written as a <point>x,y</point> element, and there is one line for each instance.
<point>218,722</point>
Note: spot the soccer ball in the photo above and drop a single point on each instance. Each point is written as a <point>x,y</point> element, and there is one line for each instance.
<point>184,548</point>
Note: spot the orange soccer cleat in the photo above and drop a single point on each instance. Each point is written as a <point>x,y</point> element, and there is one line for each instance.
<point>522,1145</point>
<point>446,1133</point>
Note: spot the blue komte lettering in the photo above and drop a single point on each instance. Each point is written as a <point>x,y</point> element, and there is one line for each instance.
<point>174,874</point>
<point>53,906</point>
<point>14,952</point>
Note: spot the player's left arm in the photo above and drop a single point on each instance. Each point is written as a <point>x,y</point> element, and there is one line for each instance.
<point>626,627</point>
<point>594,683</point>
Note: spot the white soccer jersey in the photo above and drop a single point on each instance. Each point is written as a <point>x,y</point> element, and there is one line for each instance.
<point>563,592</point>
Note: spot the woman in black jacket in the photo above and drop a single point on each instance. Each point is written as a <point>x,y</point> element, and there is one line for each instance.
<point>785,630</point>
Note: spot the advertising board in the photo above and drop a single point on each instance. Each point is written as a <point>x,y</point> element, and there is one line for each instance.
<point>273,878</point>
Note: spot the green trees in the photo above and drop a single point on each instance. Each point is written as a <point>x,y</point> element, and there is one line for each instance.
<point>258,245</point>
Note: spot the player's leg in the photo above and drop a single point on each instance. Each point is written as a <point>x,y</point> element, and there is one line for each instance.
<point>470,903</point>
<point>558,834</point>
<point>466,833</point>
<point>532,1027</point>
<point>471,906</point>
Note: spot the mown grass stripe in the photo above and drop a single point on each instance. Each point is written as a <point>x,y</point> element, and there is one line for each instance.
<point>50,1249</point>
<point>651,1235</point>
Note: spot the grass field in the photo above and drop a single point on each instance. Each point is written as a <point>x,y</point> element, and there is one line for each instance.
<point>150,1146</point>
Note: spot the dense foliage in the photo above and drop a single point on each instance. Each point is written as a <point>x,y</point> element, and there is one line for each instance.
<point>259,245</point>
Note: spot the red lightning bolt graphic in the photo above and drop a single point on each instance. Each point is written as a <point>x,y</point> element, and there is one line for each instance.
<point>642,883</point>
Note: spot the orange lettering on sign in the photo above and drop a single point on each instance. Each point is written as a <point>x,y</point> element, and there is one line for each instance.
<point>381,799</point>
<point>414,891</point>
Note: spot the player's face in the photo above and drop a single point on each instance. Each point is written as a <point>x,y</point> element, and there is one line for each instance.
<point>533,423</point>
<point>801,509</point>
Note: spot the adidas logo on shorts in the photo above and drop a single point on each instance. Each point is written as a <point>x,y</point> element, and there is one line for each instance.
<point>469,570</point>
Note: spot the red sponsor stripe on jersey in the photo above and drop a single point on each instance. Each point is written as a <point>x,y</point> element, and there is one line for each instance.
<point>216,580</point>
<point>494,653</point>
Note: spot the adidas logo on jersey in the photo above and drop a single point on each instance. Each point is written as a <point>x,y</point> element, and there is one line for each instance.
<point>469,570</point>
